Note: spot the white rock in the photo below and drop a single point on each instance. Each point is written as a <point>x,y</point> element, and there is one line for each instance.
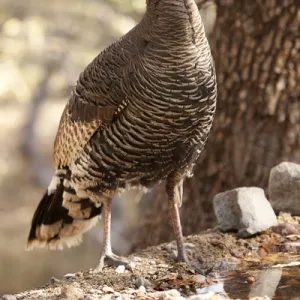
<point>131,266</point>
<point>107,289</point>
<point>120,269</point>
<point>167,295</point>
<point>244,209</point>
<point>70,275</point>
<point>141,291</point>
<point>165,266</point>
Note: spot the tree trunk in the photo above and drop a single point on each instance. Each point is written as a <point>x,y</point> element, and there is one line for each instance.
<point>256,50</point>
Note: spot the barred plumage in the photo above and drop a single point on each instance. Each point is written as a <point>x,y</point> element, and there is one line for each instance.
<point>139,114</point>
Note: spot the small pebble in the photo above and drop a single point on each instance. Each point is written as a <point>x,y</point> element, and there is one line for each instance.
<point>250,279</point>
<point>131,266</point>
<point>108,290</point>
<point>53,280</point>
<point>141,291</point>
<point>189,245</point>
<point>78,274</point>
<point>70,275</point>
<point>201,278</point>
<point>163,266</point>
<point>120,269</point>
<point>141,281</point>
<point>166,295</point>
<point>9,297</point>
<point>137,259</point>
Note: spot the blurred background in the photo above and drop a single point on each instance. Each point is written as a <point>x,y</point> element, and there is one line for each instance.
<point>44,45</point>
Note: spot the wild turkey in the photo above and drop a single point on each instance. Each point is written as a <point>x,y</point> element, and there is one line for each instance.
<point>139,114</point>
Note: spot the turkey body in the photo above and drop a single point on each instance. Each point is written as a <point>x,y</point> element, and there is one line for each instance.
<point>163,113</point>
<point>139,114</point>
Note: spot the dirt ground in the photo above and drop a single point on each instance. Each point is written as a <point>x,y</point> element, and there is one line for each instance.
<point>156,275</point>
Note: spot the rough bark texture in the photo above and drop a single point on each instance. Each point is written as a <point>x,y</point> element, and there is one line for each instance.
<point>256,50</point>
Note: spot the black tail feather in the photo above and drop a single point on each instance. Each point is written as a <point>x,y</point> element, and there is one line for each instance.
<point>53,224</point>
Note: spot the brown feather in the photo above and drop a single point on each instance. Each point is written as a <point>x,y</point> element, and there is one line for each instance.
<point>78,123</point>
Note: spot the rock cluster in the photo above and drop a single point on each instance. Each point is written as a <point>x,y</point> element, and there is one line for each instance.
<point>248,211</point>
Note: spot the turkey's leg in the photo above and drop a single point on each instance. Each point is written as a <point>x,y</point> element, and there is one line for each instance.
<point>107,256</point>
<point>175,192</point>
<point>174,189</point>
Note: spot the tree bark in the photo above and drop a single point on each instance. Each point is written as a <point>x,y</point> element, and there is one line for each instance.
<point>256,46</point>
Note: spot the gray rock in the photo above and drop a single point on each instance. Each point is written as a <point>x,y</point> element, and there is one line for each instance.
<point>9,297</point>
<point>244,209</point>
<point>284,188</point>
<point>141,281</point>
<point>53,280</point>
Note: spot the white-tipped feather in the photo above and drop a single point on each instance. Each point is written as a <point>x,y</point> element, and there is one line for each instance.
<point>53,184</point>
<point>55,244</point>
<point>70,235</point>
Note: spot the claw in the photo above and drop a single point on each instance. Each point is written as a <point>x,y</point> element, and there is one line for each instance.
<point>113,260</point>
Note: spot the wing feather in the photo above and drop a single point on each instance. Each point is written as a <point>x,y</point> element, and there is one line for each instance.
<point>97,98</point>
<point>78,123</point>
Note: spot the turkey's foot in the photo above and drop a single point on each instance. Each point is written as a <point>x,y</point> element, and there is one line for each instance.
<point>112,260</point>
<point>193,266</point>
<point>180,255</point>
